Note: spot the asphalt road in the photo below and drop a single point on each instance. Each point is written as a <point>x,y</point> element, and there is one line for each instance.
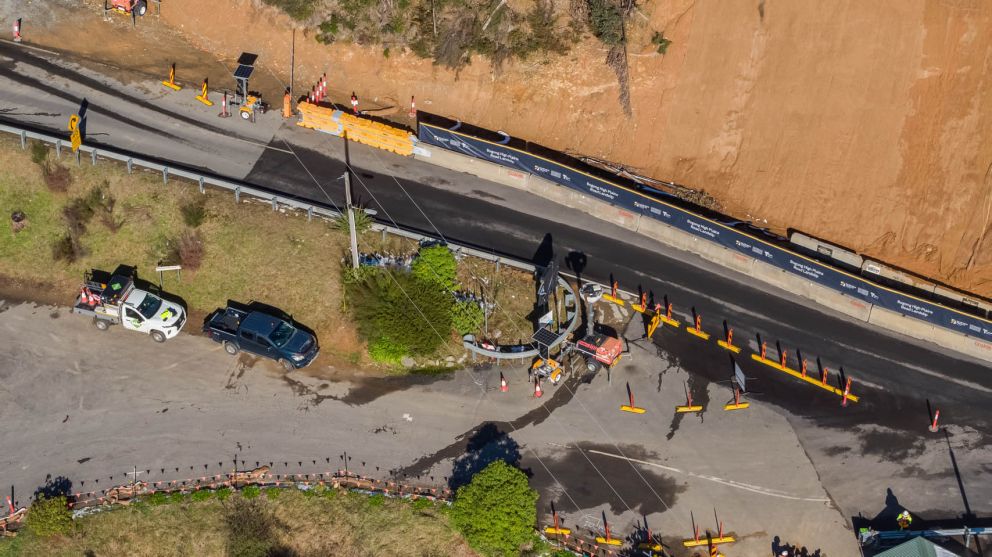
<point>895,376</point>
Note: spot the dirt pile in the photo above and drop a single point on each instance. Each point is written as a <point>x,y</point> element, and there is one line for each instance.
<point>862,123</point>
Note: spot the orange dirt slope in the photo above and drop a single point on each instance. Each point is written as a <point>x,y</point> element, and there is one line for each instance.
<point>860,122</point>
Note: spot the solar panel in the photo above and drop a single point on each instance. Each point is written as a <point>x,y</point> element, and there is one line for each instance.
<point>243,71</point>
<point>545,337</point>
<point>247,59</point>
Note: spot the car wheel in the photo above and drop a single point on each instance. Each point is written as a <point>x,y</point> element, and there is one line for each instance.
<point>245,115</point>
<point>230,348</point>
<point>592,365</point>
<point>101,324</point>
<point>158,336</point>
<point>141,8</point>
<point>287,365</point>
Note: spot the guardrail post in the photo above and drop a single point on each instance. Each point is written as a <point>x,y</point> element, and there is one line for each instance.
<point>93,157</point>
<point>78,154</point>
<point>310,213</point>
<point>237,194</point>
<point>58,148</point>
<point>165,174</point>
<point>24,139</point>
<point>130,163</point>
<point>202,190</point>
<point>275,204</point>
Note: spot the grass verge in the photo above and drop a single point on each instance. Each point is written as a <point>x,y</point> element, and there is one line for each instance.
<point>296,523</point>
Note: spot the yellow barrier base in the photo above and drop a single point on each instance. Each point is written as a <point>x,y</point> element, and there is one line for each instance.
<point>740,406</point>
<point>702,542</point>
<point>205,101</point>
<point>731,347</point>
<point>639,308</point>
<point>557,531</point>
<point>634,409</point>
<point>617,301</point>
<point>172,86</point>
<point>696,332</point>
<point>611,541</point>
<point>684,409</point>
<point>656,547</point>
<point>797,375</point>
<point>670,322</point>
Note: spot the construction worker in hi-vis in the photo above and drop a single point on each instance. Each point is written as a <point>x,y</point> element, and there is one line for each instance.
<point>904,519</point>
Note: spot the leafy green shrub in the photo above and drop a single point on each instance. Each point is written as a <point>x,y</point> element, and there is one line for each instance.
<point>497,510</point>
<point>272,493</point>
<point>39,152</point>
<point>49,517</point>
<point>385,351</point>
<point>422,504</point>
<point>223,493</point>
<point>202,495</point>
<point>399,313</point>
<point>606,21</point>
<point>251,492</point>
<point>177,498</point>
<point>194,212</point>
<point>158,498</point>
<point>659,40</point>
<point>296,9</point>
<point>377,500</point>
<point>435,265</point>
<point>363,222</point>
<point>467,317</point>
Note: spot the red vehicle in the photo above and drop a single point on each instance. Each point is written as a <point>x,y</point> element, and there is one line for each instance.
<point>135,7</point>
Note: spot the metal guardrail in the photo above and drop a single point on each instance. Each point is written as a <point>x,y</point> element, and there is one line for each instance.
<point>310,208</point>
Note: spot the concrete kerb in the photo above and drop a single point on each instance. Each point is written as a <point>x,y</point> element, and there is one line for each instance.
<point>671,236</point>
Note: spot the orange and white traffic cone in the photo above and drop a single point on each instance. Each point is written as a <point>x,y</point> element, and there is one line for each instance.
<point>537,388</point>
<point>502,384</point>
<point>354,102</point>
<point>223,106</point>
<point>413,107</point>
<point>17,30</point>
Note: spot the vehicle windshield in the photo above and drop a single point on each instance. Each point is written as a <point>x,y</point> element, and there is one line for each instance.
<point>149,306</point>
<point>281,335</point>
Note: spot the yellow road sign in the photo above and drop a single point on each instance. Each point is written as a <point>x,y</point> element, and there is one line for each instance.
<point>75,136</point>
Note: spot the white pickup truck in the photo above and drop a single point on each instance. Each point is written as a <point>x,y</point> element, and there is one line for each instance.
<point>117,300</point>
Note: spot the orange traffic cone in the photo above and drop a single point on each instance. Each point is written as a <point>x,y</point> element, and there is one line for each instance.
<point>502,384</point>
<point>537,388</point>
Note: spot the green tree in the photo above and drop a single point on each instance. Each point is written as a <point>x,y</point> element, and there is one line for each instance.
<point>606,21</point>
<point>436,265</point>
<point>467,317</point>
<point>398,314</point>
<point>49,517</point>
<point>496,511</point>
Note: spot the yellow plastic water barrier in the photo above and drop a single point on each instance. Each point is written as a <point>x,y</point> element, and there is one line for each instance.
<point>361,130</point>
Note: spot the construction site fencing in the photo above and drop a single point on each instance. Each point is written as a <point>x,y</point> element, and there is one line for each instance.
<point>84,503</point>
<point>501,149</point>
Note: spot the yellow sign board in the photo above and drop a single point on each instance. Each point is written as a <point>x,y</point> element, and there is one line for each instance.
<point>75,136</point>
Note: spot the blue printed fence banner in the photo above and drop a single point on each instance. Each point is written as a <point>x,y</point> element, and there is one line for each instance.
<point>514,153</point>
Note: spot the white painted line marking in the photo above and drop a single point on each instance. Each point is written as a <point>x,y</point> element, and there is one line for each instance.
<point>729,483</point>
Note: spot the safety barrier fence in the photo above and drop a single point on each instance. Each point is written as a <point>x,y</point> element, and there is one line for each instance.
<point>500,149</point>
<point>363,130</point>
<point>83,503</point>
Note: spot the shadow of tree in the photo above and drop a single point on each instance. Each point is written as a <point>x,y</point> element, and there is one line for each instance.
<point>59,486</point>
<point>488,444</point>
